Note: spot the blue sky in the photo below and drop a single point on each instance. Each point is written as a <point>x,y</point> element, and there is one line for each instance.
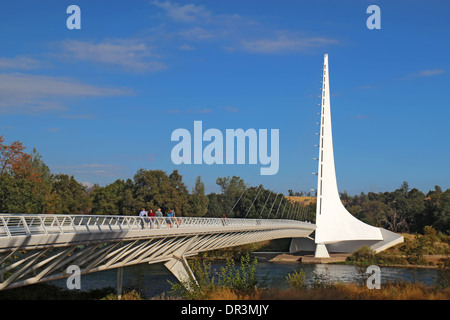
<point>101,102</point>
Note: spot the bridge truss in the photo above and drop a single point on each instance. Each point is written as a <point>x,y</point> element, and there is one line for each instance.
<point>39,248</point>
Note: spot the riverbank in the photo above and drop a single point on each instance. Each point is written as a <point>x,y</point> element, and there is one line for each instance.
<point>430,261</point>
<point>301,257</point>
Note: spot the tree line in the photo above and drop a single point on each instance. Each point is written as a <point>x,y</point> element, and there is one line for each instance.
<point>28,186</point>
<point>402,210</point>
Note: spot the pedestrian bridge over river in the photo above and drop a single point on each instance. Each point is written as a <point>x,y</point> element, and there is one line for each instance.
<point>38,248</point>
<point>35,248</point>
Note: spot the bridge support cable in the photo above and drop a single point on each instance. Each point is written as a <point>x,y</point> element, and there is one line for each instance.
<point>284,208</point>
<point>294,216</point>
<point>296,212</point>
<point>306,214</point>
<point>229,213</point>
<point>281,201</point>
<point>289,211</point>
<point>261,213</point>
<point>300,208</point>
<point>293,210</point>
<point>273,203</point>
<point>245,189</point>
<point>259,190</point>
<point>302,213</point>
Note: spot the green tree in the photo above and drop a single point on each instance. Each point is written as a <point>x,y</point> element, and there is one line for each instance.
<point>129,203</point>
<point>404,188</point>
<point>114,198</point>
<point>437,207</point>
<point>69,195</point>
<point>215,208</point>
<point>23,179</point>
<point>155,189</point>
<point>232,189</point>
<point>373,212</point>
<point>198,201</point>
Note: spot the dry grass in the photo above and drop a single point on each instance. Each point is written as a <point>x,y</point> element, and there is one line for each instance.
<point>128,295</point>
<point>341,291</point>
<point>229,294</point>
<point>302,200</point>
<point>351,291</point>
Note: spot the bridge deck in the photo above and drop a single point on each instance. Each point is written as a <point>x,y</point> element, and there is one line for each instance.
<point>33,231</point>
<point>37,248</point>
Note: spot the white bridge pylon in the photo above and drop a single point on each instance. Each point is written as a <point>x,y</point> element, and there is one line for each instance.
<point>337,229</point>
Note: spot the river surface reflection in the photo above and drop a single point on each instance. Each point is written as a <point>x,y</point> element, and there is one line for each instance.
<point>154,279</point>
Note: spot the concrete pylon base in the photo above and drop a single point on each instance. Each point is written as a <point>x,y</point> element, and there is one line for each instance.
<point>321,251</point>
<point>180,267</point>
<point>181,270</point>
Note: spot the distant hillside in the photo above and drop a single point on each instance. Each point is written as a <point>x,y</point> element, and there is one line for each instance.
<point>304,201</point>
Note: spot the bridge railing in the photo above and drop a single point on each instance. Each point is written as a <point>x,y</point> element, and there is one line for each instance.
<point>12,225</point>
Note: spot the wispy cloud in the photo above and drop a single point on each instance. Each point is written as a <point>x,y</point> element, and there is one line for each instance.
<point>424,73</point>
<point>20,63</point>
<point>28,85</point>
<point>78,116</point>
<point>184,13</point>
<point>196,34</point>
<point>186,47</point>
<point>234,32</point>
<point>231,109</point>
<point>25,93</point>
<point>126,54</point>
<point>91,169</point>
<point>193,14</point>
<point>197,110</point>
<point>146,157</point>
<point>282,43</point>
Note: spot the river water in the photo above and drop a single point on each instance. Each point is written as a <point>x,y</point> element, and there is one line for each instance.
<point>153,279</point>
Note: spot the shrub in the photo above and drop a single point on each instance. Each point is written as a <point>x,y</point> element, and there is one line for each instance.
<point>128,295</point>
<point>443,273</point>
<point>414,250</point>
<point>241,281</point>
<point>296,279</point>
<point>364,255</point>
<point>198,286</point>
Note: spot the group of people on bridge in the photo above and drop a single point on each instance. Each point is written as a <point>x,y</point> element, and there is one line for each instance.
<point>152,219</point>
